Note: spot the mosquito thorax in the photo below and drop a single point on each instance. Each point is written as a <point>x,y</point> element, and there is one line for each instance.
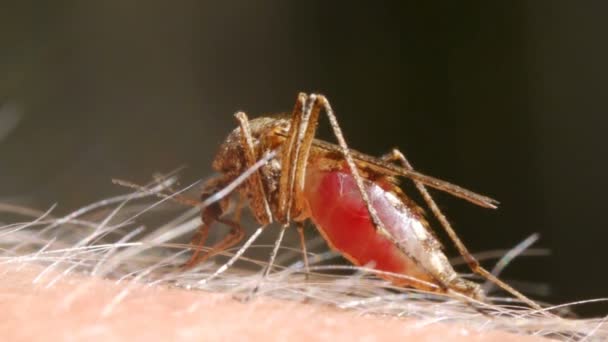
<point>230,158</point>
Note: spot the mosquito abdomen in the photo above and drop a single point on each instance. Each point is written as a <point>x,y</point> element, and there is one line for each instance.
<point>338,211</point>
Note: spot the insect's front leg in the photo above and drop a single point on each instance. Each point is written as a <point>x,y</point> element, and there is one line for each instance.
<point>255,186</point>
<point>289,154</point>
<point>295,152</point>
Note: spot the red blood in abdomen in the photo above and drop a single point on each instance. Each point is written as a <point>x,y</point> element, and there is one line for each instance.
<point>340,214</point>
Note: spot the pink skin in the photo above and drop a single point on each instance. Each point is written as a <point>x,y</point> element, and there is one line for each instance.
<point>72,309</point>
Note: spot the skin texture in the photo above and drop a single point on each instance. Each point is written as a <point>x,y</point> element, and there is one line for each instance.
<point>76,308</point>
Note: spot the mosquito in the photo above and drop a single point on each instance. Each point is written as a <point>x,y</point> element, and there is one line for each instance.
<point>353,199</point>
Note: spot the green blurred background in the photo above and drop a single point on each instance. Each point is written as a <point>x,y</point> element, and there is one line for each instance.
<point>508,99</point>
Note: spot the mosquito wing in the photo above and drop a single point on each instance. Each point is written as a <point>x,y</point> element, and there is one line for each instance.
<point>376,165</point>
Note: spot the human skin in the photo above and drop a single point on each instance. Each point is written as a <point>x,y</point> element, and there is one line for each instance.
<point>86,308</point>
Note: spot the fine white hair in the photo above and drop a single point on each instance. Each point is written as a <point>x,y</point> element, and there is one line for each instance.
<point>123,239</point>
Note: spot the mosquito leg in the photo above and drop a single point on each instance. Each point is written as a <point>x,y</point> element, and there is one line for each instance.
<point>290,151</point>
<point>237,233</point>
<point>275,250</point>
<point>235,257</point>
<point>269,266</point>
<point>473,264</point>
<point>198,242</point>
<point>235,236</point>
<point>209,215</point>
<point>256,181</point>
<point>300,227</point>
<point>238,210</point>
<point>295,152</point>
<point>259,202</point>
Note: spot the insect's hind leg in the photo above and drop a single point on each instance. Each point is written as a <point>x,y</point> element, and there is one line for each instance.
<point>300,227</point>
<point>396,156</point>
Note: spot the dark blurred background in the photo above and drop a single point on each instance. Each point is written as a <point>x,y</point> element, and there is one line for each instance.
<point>507,99</point>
